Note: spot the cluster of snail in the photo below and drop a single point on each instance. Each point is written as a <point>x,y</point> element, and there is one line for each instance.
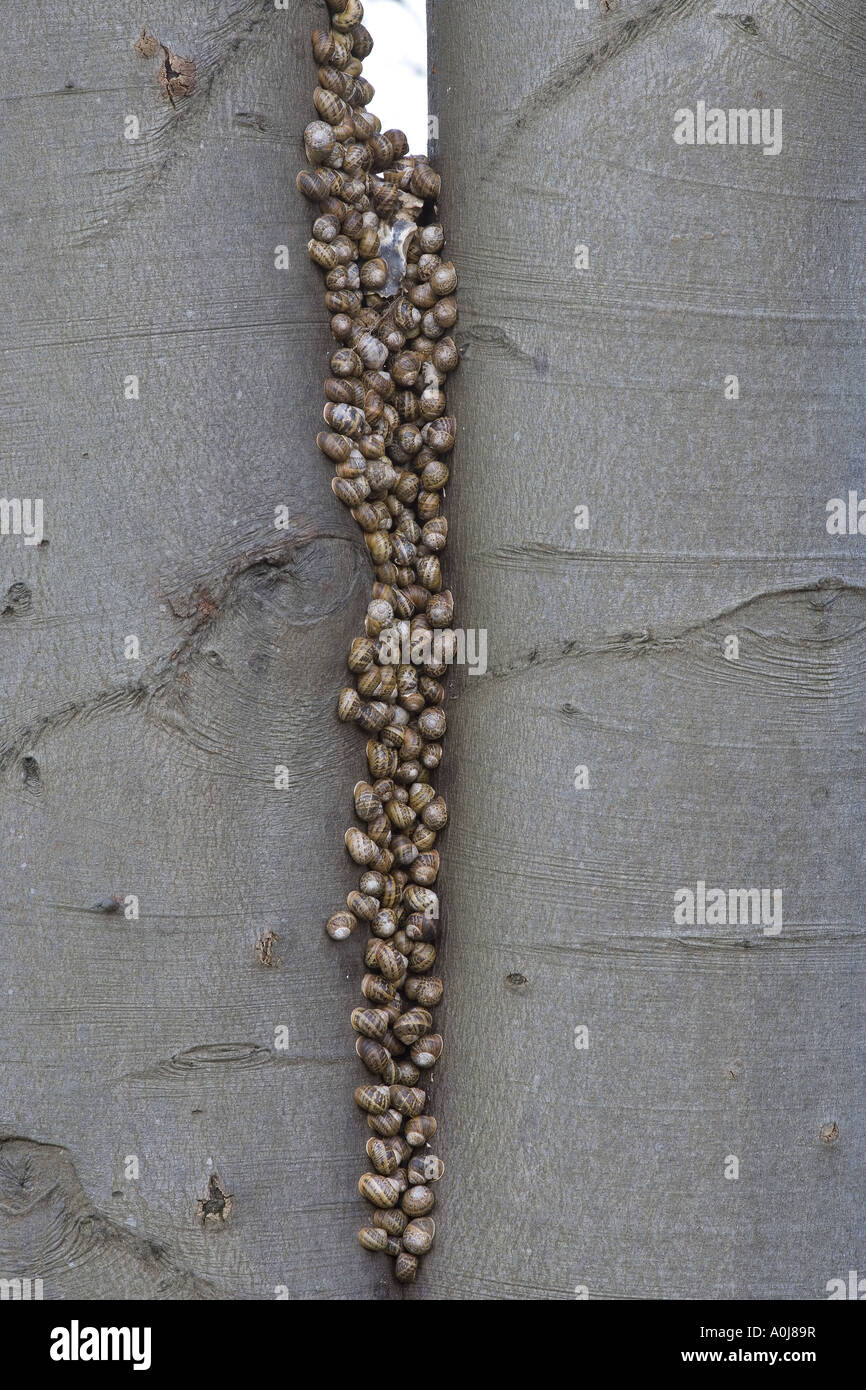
<point>391,298</point>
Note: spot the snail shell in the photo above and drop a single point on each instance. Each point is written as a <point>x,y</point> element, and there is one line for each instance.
<point>427,1050</point>
<point>341,925</point>
<point>362,904</point>
<point>372,1238</point>
<point>384,923</point>
<point>361,848</point>
<point>372,1023</point>
<point>387,1125</point>
<point>425,182</point>
<point>425,869</point>
<point>420,1130</point>
<point>367,804</point>
<point>431,238</point>
<point>362,45</point>
<point>416,1201</point>
<point>432,724</point>
<point>378,955</point>
<point>424,1168</point>
<point>419,899</point>
<point>413,1025</point>
<point>418,1235</point>
<point>399,143</point>
<point>382,1192</point>
<point>409,1100</point>
<point>381,760</point>
<point>375,1100</point>
<point>382,1156</point>
<point>330,107</point>
<point>377,990</point>
<point>436,814</point>
<point>375,1057</point>
<point>393,1221</point>
<point>424,991</point>
<point>406,1074</point>
<point>348,705</point>
<point>422,957</point>
<point>374,273</point>
<point>319,142</point>
<point>350,15</point>
<point>423,837</point>
<point>405,1267</point>
<point>334,445</point>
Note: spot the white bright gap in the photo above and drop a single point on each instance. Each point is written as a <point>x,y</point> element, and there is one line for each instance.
<point>397,67</point>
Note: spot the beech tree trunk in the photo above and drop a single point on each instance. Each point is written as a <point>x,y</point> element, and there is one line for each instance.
<point>601,1168</point>
<point>156,1038</point>
<point>170,660</point>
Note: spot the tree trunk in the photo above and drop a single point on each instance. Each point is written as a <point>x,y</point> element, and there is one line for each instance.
<point>155,1038</point>
<point>602,1162</point>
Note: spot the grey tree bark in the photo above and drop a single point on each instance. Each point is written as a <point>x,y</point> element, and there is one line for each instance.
<point>599,1167</point>
<point>155,1039</point>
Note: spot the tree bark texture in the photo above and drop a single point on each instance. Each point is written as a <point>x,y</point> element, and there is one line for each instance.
<point>602,1168</point>
<point>155,1038</point>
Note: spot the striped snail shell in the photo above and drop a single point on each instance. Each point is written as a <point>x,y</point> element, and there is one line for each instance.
<point>381,1191</point>
<point>405,1267</point>
<point>341,925</point>
<point>413,1025</point>
<point>418,1235</point>
<point>391,1220</point>
<point>372,1238</point>
<point>416,1201</point>
<point>420,1129</point>
<point>409,1100</point>
<point>424,1168</point>
<point>375,1100</point>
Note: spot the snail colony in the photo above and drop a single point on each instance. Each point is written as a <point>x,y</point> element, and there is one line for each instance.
<point>391,297</point>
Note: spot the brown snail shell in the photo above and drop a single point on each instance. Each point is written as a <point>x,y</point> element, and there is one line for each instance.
<point>381,1191</point>
<point>375,1100</point>
<point>409,1100</point>
<point>420,1129</point>
<point>425,182</point>
<point>362,904</point>
<point>372,1238</point>
<point>405,1267</point>
<point>376,1058</point>
<point>377,990</point>
<point>424,1168</point>
<point>427,991</point>
<point>418,1235</point>
<point>391,1220</point>
<point>416,1201</point>
<point>361,848</point>
<point>406,1074</point>
<point>387,1125</point>
<point>341,925</point>
<point>413,1025</point>
<point>427,1050</point>
<point>371,1023</point>
<point>382,1156</point>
